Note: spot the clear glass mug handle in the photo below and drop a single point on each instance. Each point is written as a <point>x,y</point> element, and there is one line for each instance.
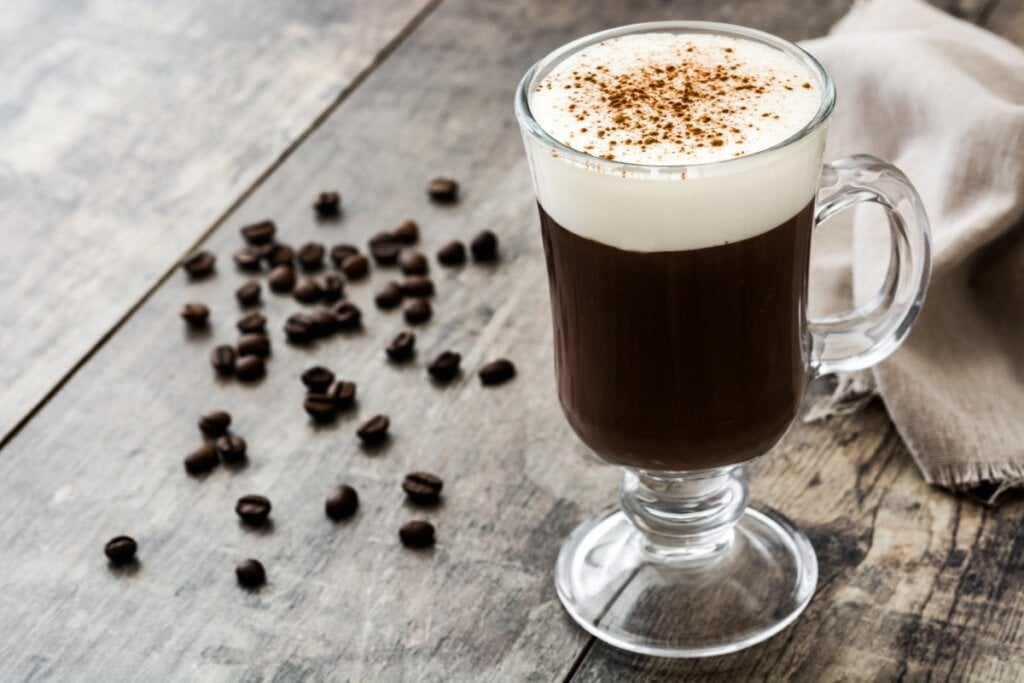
<point>865,335</point>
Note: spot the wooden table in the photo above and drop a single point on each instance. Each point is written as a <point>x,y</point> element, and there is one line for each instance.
<point>130,136</point>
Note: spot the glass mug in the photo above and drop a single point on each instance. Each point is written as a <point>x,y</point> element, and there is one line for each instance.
<point>682,366</point>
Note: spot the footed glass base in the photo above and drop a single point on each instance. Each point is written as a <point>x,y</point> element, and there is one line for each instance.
<point>686,602</point>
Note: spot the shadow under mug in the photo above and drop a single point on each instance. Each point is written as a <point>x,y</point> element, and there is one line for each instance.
<point>683,365</point>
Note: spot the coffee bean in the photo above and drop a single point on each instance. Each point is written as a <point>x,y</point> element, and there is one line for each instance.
<point>256,344</point>
<point>355,266</point>
<point>215,423</point>
<point>201,460</point>
<point>445,366</point>
<point>417,311</point>
<point>231,448</point>
<point>306,290</point>
<point>422,487</point>
<point>347,315</point>
<point>199,264</point>
<point>340,252</point>
<point>311,256</point>
<point>323,322</point>
<point>248,258</point>
<point>250,368</point>
<point>320,407</point>
<point>342,502</point>
<point>281,278</point>
<point>418,285</point>
<point>121,549</point>
<point>402,346</point>
<point>249,293</point>
<point>259,233</point>
<point>332,288</point>
<point>452,254</point>
<point>443,190</point>
<point>374,430</point>
<point>384,249</point>
<point>407,232</point>
<point>343,394</point>
<point>279,255</point>
<point>223,359</point>
<point>413,262</point>
<point>299,328</point>
<point>418,533</point>
<point>250,573</point>
<point>317,379</point>
<point>251,323</point>
<point>253,509</point>
<point>327,203</point>
<point>497,371</point>
<point>484,246</point>
<point>389,296</point>
<point>195,314</point>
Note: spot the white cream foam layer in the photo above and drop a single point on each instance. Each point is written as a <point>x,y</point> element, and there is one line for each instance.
<point>642,209</point>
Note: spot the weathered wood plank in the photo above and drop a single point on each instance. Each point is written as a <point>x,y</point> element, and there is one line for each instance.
<point>1007,19</point>
<point>126,132</point>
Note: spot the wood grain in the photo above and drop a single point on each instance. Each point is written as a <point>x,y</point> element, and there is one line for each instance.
<point>124,134</point>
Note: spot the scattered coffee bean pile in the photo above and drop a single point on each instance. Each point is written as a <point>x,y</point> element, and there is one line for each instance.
<point>298,273</point>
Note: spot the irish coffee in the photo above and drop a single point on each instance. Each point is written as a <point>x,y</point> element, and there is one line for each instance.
<point>678,283</point>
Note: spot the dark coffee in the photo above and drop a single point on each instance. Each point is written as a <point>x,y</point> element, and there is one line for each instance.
<point>680,360</point>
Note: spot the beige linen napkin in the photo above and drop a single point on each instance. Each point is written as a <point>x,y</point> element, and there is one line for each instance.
<point>944,101</point>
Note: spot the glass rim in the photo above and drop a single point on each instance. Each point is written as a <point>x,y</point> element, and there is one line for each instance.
<point>542,67</point>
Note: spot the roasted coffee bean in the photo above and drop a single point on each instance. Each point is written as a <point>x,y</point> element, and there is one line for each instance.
<point>251,323</point>
<point>299,328</point>
<point>253,509</point>
<point>417,311</point>
<point>443,190</point>
<point>121,549</point>
<point>259,233</point>
<point>347,315</point>
<point>231,448</point>
<point>422,487</point>
<point>452,254</point>
<point>390,296</point>
<point>323,321</point>
<point>374,430</point>
<point>418,285</point>
<point>384,249</point>
<point>250,573</point>
<point>306,290</point>
<point>445,366</point>
<point>413,262</point>
<point>320,407</point>
<point>317,379</point>
<point>343,394</point>
<point>342,502</point>
<point>223,359</point>
<point>407,232</point>
<point>497,371</point>
<point>327,203</point>
<point>340,252</point>
<point>195,314</point>
<point>331,288</point>
<point>255,344</point>
<point>201,460</point>
<point>249,293</point>
<point>281,278</point>
<point>199,264</point>
<point>402,346</point>
<point>311,256</point>
<point>248,258</point>
<point>355,266</point>
<point>484,246</point>
<point>215,423</point>
<point>250,368</point>
<point>279,255</point>
<point>418,533</point>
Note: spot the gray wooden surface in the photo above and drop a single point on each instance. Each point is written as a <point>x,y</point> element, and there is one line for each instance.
<point>913,582</point>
